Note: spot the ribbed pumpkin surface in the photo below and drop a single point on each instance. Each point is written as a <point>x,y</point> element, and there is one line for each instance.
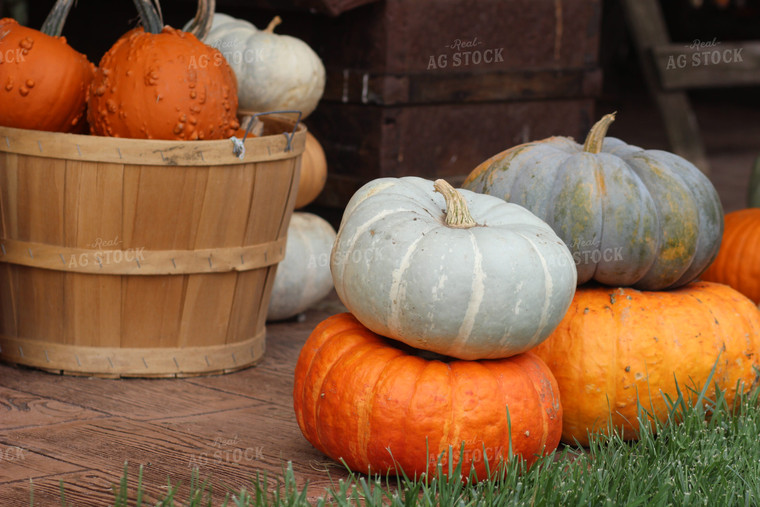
<point>369,401</point>
<point>631,217</point>
<point>616,345</point>
<point>738,261</point>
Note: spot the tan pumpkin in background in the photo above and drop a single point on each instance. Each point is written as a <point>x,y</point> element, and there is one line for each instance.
<point>617,346</point>
<point>313,172</point>
<point>313,161</point>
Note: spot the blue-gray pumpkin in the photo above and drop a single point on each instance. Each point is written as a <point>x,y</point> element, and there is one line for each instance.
<point>452,272</point>
<point>631,217</point>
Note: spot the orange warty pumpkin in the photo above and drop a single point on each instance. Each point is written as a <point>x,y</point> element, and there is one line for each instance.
<point>738,261</point>
<point>162,83</point>
<point>617,345</point>
<point>378,405</point>
<point>43,81</point>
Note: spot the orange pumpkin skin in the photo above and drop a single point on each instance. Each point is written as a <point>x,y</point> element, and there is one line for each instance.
<point>44,82</point>
<point>369,401</point>
<point>615,344</point>
<point>313,172</point>
<point>738,261</point>
<point>167,85</point>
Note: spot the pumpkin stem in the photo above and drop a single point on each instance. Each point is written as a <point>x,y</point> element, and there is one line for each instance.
<point>150,15</point>
<point>55,20</point>
<point>272,24</point>
<point>200,26</point>
<point>595,138</point>
<point>457,214</point>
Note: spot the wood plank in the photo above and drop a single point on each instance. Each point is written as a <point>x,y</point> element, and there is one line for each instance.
<point>363,87</point>
<point>329,7</point>
<point>159,214</point>
<point>166,452</point>
<point>645,20</point>
<point>8,229</point>
<point>365,142</point>
<point>139,399</point>
<point>222,221</point>
<point>40,292</point>
<point>93,220</point>
<point>255,446</point>
<point>715,65</point>
<point>18,463</point>
<point>20,409</point>
<point>86,487</point>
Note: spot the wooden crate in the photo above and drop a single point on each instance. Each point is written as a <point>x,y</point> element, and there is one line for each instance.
<point>434,87</point>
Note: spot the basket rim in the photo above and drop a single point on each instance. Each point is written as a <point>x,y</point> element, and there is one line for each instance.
<point>160,152</point>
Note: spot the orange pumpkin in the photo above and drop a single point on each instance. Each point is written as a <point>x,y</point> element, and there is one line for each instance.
<point>313,172</point>
<point>738,261</point>
<point>43,81</point>
<point>162,83</point>
<point>381,407</point>
<point>619,345</point>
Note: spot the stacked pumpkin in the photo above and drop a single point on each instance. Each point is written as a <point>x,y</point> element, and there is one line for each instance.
<point>447,292</point>
<point>646,224</point>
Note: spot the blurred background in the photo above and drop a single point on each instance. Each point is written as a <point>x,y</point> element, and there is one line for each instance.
<point>400,98</point>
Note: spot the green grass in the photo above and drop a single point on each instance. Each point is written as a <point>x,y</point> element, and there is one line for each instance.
<point>706,454</point>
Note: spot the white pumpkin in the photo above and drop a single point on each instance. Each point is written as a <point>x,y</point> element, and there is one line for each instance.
<point>303,277</point>
<point>409,265</point>
<point>274,72</point>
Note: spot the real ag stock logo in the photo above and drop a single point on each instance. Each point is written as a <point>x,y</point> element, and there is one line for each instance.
<point>466,53</point>
<point>704,53</point>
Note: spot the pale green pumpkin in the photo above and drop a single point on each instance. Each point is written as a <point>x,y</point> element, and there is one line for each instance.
<point>303,277</point>
<point>631,217</point>
<point>274,71</point>
<point>465,275</point>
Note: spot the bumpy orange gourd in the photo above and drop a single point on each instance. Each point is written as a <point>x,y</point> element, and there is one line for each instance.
<point>165,85</point>
<point>43,81</point>
<point>738,261</point>
<point>379,406</point>
<point>617,345</point>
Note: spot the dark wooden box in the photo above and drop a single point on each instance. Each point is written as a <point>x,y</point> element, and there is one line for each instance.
<point>434,87</point>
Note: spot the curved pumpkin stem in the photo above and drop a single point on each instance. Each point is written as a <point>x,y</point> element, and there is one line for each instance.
<point>150,15</point>
<point>200,26</point>
<point>55,20</point>
<point>595,138</point>
<point>273,24</point>
<point>457,214</point>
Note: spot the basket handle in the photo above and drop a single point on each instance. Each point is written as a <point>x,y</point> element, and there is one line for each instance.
<point>238,145</point>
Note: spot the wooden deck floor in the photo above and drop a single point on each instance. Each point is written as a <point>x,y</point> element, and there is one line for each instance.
<point>82,431</point>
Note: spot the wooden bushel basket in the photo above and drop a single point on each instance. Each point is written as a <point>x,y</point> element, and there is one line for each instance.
<point>125,257</point>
